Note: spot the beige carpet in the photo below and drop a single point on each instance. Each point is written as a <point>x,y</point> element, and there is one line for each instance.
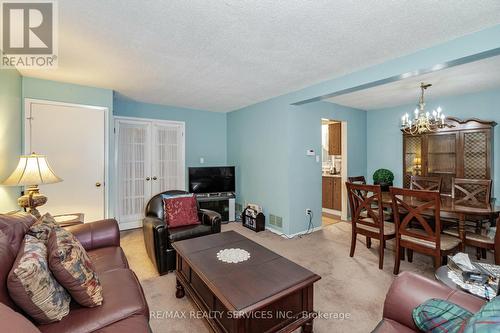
<point>350,286</point>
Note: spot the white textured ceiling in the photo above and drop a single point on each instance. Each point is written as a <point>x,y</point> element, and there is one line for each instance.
<point>463,79</point>
<point>222,55</point>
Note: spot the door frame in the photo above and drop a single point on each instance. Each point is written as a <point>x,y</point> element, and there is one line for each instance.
<point>26,136</point>
<point>343,172</point>
<point>130,225</point>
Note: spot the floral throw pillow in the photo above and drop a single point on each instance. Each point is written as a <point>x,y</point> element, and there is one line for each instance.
<point>72,267</point>
<point>42,228</point>
<point>180,210</point>
<point>33,287</point>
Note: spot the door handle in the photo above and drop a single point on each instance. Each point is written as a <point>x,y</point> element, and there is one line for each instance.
<point>148,179</point>
<point>97,184</point>
<point>155,178</point>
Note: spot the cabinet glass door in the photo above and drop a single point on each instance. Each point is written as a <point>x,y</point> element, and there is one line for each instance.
<point>442,158</point>
<point>412,158</point>
<point>476,155</point>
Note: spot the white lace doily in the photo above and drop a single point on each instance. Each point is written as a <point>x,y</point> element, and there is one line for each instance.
<point>472,288</point>
<point>233,256</point>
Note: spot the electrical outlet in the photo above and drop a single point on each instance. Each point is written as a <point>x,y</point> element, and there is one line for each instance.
<point>308,211</point>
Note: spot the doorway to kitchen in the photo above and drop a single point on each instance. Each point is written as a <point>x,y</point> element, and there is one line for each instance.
<point>334,170</point>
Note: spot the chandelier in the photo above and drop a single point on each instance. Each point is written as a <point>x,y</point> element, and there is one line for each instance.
<point>423,121</point>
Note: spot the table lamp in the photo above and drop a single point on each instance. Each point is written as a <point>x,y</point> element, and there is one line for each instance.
<point>31,171</point>
<point>417,165</point>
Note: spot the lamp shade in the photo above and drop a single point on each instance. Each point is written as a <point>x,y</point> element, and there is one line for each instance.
<point>32,170</point>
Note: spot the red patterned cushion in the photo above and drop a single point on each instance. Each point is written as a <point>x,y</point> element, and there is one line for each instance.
<point>180,211</point>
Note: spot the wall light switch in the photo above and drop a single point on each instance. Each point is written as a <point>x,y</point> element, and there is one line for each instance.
<point>310,152</point>
<point>202,160</point>
<point>317,158</point>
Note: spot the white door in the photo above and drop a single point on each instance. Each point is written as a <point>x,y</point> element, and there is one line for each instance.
<point>150,160</point>
<point>167,158</point>
<point>73,137</point>
<point>133,170</point>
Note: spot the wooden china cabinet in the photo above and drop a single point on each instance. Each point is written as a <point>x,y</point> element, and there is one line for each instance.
<point>462,149</point>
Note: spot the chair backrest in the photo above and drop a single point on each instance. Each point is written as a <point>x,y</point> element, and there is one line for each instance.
<point>426,183</point>
<point>366,205</point>
<point>409,207</point>
<point>357,179</point>
<point>472,190</point>
<point>154,207</point>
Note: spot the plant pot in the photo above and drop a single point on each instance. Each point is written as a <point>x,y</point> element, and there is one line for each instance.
<point>384,186</point>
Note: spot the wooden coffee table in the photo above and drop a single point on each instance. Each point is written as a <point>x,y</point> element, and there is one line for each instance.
<point>266,293</point>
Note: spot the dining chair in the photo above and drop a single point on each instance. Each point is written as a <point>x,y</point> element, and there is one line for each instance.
<point>426,183</point>
<point>427,238</point>
<point>357,179</point>
<point>368,217</point>
<point>362,180</point>
<point>473,192</point>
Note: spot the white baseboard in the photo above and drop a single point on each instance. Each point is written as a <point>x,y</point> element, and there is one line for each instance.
<point>302,232</point>
<point>130,225</point>
<point>280,233</point>
<point>276,231</point>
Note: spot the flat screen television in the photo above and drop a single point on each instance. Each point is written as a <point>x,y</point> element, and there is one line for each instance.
<point>211,179</point>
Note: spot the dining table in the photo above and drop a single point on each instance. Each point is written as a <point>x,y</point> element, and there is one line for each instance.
<point>457,209</point>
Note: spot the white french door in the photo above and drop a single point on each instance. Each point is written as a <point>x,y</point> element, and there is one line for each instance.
<point>168,155</point>
<point>150,159</point>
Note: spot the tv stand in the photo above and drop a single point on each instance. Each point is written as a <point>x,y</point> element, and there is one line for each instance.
<point>222,203</point>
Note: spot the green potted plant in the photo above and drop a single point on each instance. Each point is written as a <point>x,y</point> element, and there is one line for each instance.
<point>384,178</point>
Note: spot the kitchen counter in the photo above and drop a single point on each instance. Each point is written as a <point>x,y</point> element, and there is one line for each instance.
<point>333,176</point>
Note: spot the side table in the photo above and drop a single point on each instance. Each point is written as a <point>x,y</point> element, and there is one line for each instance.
<point>66,220</point>
<point>476,290</point>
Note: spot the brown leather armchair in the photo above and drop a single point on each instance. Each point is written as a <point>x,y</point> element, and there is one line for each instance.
<point>158,238</point>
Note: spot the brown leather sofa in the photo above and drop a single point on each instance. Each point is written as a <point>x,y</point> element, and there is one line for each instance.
<point>158,238</point>
<point>124,308</point>
<point>410,290</point>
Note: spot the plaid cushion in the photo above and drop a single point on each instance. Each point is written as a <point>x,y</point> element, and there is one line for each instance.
<point>437,315</point>
<point>486,320</point>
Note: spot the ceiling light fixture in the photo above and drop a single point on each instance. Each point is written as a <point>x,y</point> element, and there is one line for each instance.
<point>423,121</point>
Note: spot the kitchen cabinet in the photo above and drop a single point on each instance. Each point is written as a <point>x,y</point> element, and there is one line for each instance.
<point>334,139</point>
<point>337,193</point>
<point>332,192</point>
<point>328,192</point>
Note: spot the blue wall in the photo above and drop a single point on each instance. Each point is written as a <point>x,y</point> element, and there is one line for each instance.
<point>205,131</point>
<point>284,129</point>
<point>10,131</point>
<point>268,141</point>
<point>304,176</point>
<point>385,147</point>
<point>257,141</point>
